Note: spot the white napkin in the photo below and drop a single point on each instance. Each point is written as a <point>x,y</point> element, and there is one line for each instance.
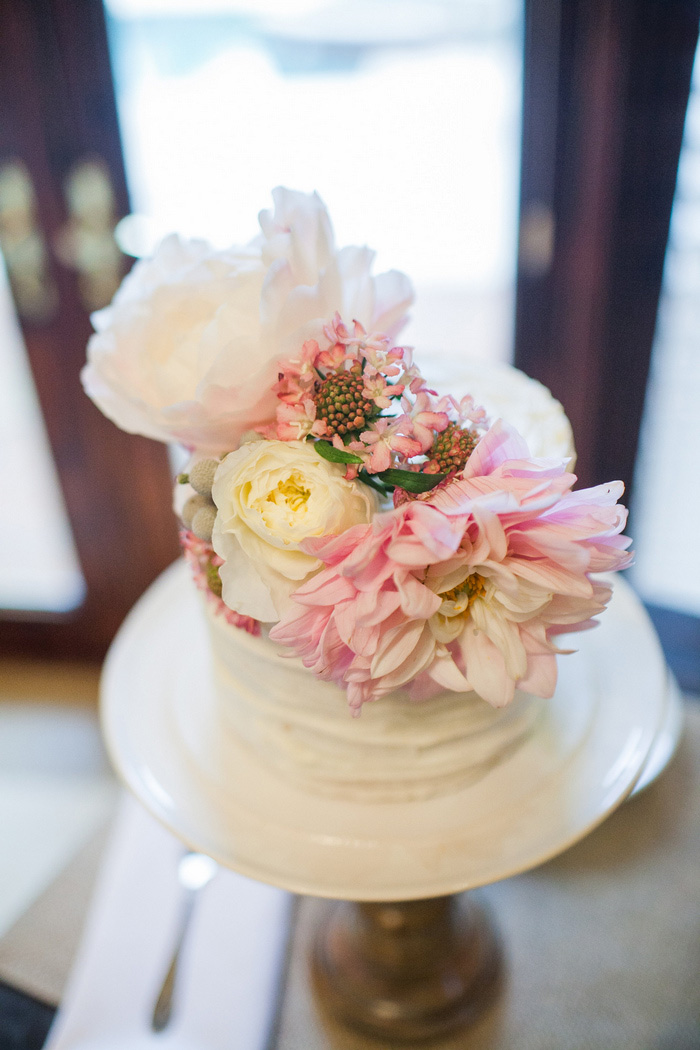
<point>230,967</point>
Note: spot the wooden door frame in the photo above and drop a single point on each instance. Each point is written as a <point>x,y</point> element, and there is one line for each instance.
<point>58,108</point>
<point>606,86</point>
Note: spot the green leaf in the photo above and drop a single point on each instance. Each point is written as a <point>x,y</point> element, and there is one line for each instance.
<point>333,454</point>
<point>372,481</point>
<point>410,481</point>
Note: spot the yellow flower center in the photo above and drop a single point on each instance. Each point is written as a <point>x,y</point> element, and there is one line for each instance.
<point>464,595</point>
<point>291,493</point>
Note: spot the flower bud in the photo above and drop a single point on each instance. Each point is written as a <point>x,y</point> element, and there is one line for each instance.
<point>194,503</point>
<point>203,522</point>
<point>202,476</point>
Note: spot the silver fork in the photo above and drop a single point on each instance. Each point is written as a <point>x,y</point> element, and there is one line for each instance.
<point>194,871</point>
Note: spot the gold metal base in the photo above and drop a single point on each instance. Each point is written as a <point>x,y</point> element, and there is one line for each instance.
<point>408,971</point>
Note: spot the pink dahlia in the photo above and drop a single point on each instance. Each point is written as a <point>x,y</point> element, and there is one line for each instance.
<point>467,591</point>
<point>363,621</point>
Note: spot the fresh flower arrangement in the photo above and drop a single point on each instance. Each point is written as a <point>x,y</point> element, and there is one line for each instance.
<point>391,536</point>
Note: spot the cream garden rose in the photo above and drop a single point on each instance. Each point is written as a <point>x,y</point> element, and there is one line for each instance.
<point>188,350</point>
<point>270,496</point>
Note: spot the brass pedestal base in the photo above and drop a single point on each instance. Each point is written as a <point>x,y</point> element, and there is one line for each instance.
<point>408,971</point>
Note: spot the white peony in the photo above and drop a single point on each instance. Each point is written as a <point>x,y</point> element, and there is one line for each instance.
<point>270,496</point>
<point>189,347</point>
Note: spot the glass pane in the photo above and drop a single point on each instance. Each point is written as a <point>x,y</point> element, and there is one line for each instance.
<point>404,116</point>
<point>667,503</point>
<point>39,567</point>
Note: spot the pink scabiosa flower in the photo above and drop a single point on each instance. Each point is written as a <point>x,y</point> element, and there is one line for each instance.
<point>467,591</point>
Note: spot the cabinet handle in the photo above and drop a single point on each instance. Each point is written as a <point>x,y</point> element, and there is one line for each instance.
<point>537,230</point>
<point>23,246</point>
<point>86,242</point>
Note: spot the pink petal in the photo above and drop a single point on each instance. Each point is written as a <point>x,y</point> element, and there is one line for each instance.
<point>395,647</point>
<point>499,444</point>
<point>485,668</point>
<point>417,601</point>
<point>445,672</point>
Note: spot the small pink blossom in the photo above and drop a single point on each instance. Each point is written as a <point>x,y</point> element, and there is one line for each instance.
<point>388,360</point>
<point>335,357</point>
<point>463,411</point>
<point>410,377</point>
<point>298,375</point>
<point>386,437</point>
<point>337,331</point>
<point>426,422</point>
<point>295,422</point>
<point>374,348</point>
<point>376,388</point>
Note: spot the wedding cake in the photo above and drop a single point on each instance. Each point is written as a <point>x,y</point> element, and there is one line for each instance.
<point>364,545</point>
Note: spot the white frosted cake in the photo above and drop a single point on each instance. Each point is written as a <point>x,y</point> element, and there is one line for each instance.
<point>398,749</point>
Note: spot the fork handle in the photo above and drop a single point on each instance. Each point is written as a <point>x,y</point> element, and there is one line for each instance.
<point>163,1009</point>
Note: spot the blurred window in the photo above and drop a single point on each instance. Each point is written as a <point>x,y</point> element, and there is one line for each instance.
<point>667,494</point>
<point>39,567</point>
<point>404,116</point>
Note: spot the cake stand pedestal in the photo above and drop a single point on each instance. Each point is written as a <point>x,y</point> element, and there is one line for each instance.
<point>428,961</point>
<point>408,970</point>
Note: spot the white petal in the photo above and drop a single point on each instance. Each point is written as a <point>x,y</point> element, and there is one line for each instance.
<point>243,590</point>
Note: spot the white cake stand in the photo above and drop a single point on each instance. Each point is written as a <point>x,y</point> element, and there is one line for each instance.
<point>427,961</point>
<point>583,758</point>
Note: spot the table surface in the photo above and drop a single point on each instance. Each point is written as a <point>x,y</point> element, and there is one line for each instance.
<point>602,943</point>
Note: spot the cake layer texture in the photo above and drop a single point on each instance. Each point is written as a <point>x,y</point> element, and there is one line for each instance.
<point>397,749</point>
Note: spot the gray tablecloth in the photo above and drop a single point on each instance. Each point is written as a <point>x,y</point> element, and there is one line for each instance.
<point>602,943</point>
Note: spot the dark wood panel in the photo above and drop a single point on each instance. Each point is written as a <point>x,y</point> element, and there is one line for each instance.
<point>606,85</point>
<point>57,108</point>
<point>609,79</point>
